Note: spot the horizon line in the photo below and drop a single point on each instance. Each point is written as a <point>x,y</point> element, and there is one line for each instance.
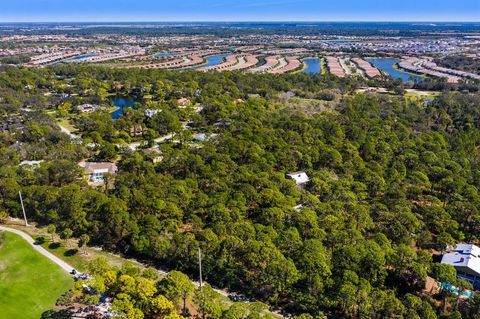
<point>244,21</point>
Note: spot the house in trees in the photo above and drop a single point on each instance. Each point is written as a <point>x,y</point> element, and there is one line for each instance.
<point>151,112</point>
<point>95,171</point>
<point>153,154</point>
<point>87,108</point>
<point>30,165</point>
<point>137,130</point>
<point>466,260</point>
<point>183,102</point>
<point>300,178</point>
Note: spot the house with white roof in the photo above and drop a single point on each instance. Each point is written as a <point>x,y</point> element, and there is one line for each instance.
<point>30,165</point>
<point>87,108</point>
<point>95,171</point>
<point>466,260</point>
<point>151,112</point>
<point>300,178</point>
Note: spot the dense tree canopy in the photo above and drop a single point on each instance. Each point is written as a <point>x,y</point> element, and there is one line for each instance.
<point>391,180</point>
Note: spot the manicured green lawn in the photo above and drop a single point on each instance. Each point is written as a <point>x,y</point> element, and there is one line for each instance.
<point>29,282</point>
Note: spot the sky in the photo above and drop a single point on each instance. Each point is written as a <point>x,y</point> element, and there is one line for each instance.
<point>238,10</point>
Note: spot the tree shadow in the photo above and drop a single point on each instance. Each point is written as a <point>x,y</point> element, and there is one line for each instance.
<point>39,240</point>
<point>54,245</point>
<point>70,252</point>
<point>52,314</point>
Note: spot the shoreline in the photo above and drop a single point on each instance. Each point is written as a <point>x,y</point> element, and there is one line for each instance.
<point>400,69</point>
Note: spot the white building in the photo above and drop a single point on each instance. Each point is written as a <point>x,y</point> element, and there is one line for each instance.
<point>30,164</point>
<point>151,112</point>
<point>87,108</point>
<point>466,260</point>
<point>96,171</point>
<point>300,178</point>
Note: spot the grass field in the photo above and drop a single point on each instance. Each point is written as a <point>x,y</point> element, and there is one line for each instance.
<point>413,94</point>
<point>66,123</point>
<point>71,254</point>
<point>29,282</point>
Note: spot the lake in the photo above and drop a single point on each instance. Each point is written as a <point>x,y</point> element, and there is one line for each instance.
<point>387,66</point>
<point>165,55</point>
<point>213,60</point>
<point>81,57</point>
<point>121,103</point>
<point>313,66</point>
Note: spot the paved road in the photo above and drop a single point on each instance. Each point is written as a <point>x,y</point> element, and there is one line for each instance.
<point>39,248</point>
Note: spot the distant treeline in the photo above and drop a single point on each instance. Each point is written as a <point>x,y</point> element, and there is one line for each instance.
<point>236,29</point>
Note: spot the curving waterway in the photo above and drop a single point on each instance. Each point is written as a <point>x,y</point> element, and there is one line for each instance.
<point>213,60</point>
<point>387,66</point>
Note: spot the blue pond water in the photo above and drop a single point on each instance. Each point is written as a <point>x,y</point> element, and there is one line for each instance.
<point>386,65</point>
<point>313,66</point>
<point>121,103</point>
<point>214,60</point>
<point>165,55</point>
<point>81,57</point>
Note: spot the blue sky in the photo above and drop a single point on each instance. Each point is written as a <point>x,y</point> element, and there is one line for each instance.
<point>239,10</point>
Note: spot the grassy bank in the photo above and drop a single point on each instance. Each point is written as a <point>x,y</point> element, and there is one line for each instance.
<point>301,69</point>
<point>29,282</point>
<point>398,68</point>
<point>323,66</point>
<point>71,253</point>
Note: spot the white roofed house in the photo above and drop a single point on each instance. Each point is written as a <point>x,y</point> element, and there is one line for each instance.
<point>95,172</point>
<point>151,112</point>
<point>466,260</point>
<point>87,108</point>
<point>300,178</point>
<point>30,165</point>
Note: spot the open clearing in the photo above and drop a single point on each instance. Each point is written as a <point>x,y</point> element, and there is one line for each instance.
<point>29,282</point>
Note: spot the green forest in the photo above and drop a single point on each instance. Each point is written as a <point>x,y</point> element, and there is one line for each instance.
<point>393,180</point>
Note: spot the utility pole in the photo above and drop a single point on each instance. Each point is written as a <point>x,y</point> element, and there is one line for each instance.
<point>201,283</point>
<point>200,265</point>
<point>23,208</point>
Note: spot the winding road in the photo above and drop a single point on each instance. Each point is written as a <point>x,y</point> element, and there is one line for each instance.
<point>39,248</point>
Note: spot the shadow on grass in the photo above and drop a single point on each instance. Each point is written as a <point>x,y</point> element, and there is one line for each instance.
<point>70,252</point>
<point>52,314</point>
<point>39,240</point>
<point>54,245</point>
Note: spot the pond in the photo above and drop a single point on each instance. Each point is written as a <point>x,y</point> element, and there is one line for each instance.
<point>213,60</point>
<point>81,57</point>
<point>121,103</point>
<point>313,66</point>
<point>387,66</point>
<point>165,55</point>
